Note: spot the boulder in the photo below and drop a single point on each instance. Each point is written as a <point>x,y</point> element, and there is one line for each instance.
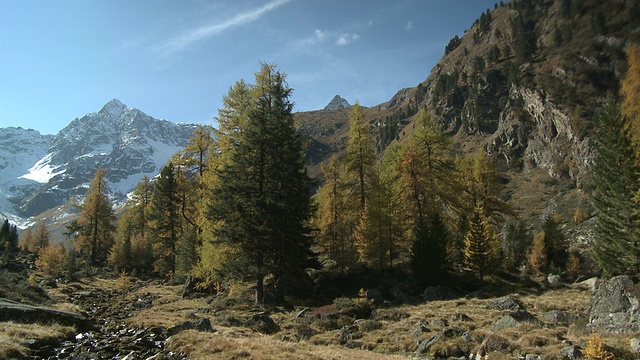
<point>18,312</point>
<point>553,280</point>
<point>424,346</point>
<point>436,293</point>
<point>558,317</point>
<point>200,325</point>
<point>571,352</point>
<point>589,284</point>
<point>634,344</point>
<point>505,303</point>
<point>490,344</point>
<point>514,319</point>
<point>262,323</point>
<point>614,306</point>
<point>375,295</point>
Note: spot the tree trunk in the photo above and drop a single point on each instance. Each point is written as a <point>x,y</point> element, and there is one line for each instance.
<point>260,290</point>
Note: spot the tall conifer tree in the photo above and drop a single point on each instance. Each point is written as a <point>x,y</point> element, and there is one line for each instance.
<point>261,203</point>
<point>615,244</point>
<point>164,215</point>
<point>96,223</point>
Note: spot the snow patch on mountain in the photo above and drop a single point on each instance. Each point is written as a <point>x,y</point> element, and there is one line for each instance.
<point>43,171</point>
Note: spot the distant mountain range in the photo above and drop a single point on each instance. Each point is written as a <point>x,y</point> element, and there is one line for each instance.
<point>41,172</point>
<point>44,176</point>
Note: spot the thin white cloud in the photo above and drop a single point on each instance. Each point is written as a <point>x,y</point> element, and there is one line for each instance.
<point>409,25</point>
<point>189,37</point>
<point>346,39</point>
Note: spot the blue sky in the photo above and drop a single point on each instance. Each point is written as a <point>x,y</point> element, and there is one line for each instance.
<point>175,60</point>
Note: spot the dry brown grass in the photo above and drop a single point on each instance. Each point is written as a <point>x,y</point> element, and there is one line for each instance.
<point>231,345</point>
<point>14,337</point>
<point>392,335</point>
<point>169,308</point>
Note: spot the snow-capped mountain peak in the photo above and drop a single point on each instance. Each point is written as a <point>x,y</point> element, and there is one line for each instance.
<point>128,143</point>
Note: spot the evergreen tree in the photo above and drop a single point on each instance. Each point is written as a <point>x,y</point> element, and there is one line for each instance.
<point>8,240</point>
<point>215,257</point>
<point>261,204</point>
<point>96,223</point>
<point>132,249</point>
<point>515,241</point>
<point>164,217</point>
<point>480,244</point>
<point>428,250</point>
<point>615,244</point>
<point>630,91</point>
<point>556,243</point>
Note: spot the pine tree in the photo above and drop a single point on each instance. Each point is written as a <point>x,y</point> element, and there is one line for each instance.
<point>165,224</point>
<point>131,249</point>
<point>428,250</point>
<point>261,204</point>
<point>8,240</point>
<point>630,91</point>
<point>615,244</point>
<point>515,241</point>
<point>480,244</point>
<point>96,223</point>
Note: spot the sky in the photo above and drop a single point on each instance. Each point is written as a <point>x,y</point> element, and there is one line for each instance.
<point>175,60</point>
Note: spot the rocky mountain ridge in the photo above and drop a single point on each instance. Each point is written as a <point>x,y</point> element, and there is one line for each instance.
<point>525,82</point>
<point>40,172</point>
<point>336,103</point>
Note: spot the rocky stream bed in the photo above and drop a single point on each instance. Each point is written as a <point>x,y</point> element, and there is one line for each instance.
<point>109,336</point>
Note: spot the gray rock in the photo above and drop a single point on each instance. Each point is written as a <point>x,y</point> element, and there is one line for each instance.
<point>553,279</point>
<point>614,307</point>
<point>15,311</point>
<point>634,343</point>
<point>490,344</point>
<point>436,293</point>
<point>505,303</point>
<point>514,319</point>
<point>426,344</point>
<point>262,323</point>
<point>400,297</point>
<point>534,357</point>
<point>558,317</point>
<point>200,325</point>
<point>444,333</point>
<point>590,284</point>
<point>571,352</point>
<point>375,295</point>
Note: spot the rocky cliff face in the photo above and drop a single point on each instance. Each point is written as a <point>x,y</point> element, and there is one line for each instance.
<point>49,171</point>
<point>525,82</point>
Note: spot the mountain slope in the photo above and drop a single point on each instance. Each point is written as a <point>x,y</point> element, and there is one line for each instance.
<point>56,169</point>
<point>525,82</point>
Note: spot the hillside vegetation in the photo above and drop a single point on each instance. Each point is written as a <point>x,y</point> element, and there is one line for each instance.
<point>454,221</point>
